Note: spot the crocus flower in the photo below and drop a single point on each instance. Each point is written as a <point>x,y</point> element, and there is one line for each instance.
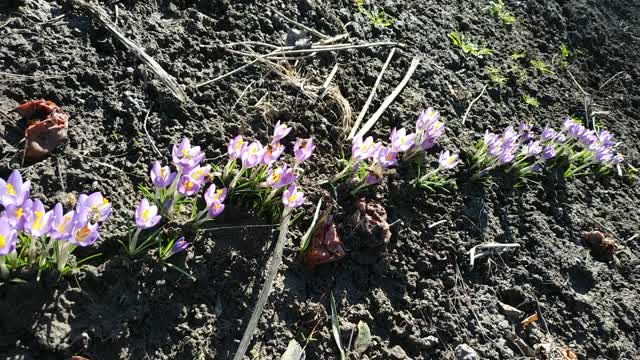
<point>617,159</point>
<point>362,149</point>
<point>62,223</point>
<point>605,137</point>
<point>161,176</point>
<point>490,138</point>
<point>302,149</point>
<point>447,160</point>
<point>510,135</point>
<point>38,221</point>
<point>280,176</point>
<point>199,174</point>
<point>187,186</point>
<point>14,191</point>
<point>371,179</point>
<point>8,236</point>
<point>603,154</point>
<point>236,147</point>
<point>548,153</point>
<point>186,156</point>
<point>386,157</point>
<point>561,138</point>
<point>252,155</point>
<point>495,148</point>
<point>178,246</point>
<point>215,195</point>
<point>588,138</point>
<point>400,140</point>
<point>533,148</point>
<point>146,215</point>
<point>548,134</point>
<point>292,198</point>
<point>427,118</point>
<point>17,215</point>
<point>215,209</point>
<point>272,152</point>
<point>280,131</point>
<point>431,134</point>
<point>98,207</point>
<point>506,157</point>
<point>84,233</point>
<point>525,130</point>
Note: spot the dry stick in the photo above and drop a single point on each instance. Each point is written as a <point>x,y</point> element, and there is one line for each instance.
<point>276,259</point>
<point>466,113</point>
<point>611,78</point>
<point>237,69</point>
<point>363,112</point>
<point>100,15</point>
<point>325,86</point>
<point>144,126</point>
<point>369,124</point>
<point>584,99</point>
<point>313,31</point>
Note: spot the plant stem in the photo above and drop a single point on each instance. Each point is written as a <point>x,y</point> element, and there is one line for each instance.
<point>133,242</point>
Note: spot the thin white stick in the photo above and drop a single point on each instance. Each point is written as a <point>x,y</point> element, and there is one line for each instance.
<point>363,112</point>
<point>466,113</point>
<point>611,78</point>
<point>369,124</point>
<point>325,86</point>
<point>144,126</point>
<point>437,223</point>
<point>304,27</point>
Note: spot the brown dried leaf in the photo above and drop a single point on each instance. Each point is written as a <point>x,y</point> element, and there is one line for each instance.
<point>326,246</point>
<point>371,222</point>
<point>600,244</point>
<point>570,355</point>
<point>47,124</point>
<point>530,320</point>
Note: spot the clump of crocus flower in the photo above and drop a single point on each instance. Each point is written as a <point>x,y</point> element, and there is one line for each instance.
<point>33,235</point>
<point>263,172</point>
<point>434,178</point>
<point>524,152</point>
<point>369,159</point>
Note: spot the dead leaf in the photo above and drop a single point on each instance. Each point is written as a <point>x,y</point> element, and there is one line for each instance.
<point>570,355</point>
<point>530,320</point>
<point>601,245</point>
<point>46,128</point>
<point>370,220</point>
<point>326,246</point>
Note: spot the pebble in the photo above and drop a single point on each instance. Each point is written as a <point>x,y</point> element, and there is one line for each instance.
<point>510,311</point>
<point>465,352</point>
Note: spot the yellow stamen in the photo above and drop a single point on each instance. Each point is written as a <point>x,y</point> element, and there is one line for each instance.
<point>105,201</point>
<point>239,144</point>
<point>37,223</point>
<point>19,213</point>
<point>275,177</point>
<point>62,225</point>
<point>218,194</point>
<point>163,173</point>
<point>186,154</point>
<point>188,185</point>
<point>145,214</point>
<point>2,241</point>
<point>293,197</point>
<point>11,190</point>
<point>83,233</point>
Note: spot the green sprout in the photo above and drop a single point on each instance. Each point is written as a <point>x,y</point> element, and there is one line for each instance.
<point>497,9</point>
<point>495,75</point>
<point>542,67</point>
<point>518,72</point>
<point>457,39</point>
<point>564,51</point>
<point>517,55</point>
<point>377,16</point>
<point>530,100</point>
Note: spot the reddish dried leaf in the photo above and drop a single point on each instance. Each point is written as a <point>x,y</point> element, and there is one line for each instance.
<point>600,244</point>
<point>36,109</point>
<point>47,128</point>
<point>325,247</point>
<point>371,222</point>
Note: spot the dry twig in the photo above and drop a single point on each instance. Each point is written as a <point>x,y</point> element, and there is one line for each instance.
<point>466,113</point>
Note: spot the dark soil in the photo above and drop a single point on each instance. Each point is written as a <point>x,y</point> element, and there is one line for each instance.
<point>418,294</point>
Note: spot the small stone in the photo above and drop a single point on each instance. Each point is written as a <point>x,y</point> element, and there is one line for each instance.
<point>465,352</point>
<point>397,352</point>
<point>510,311</point>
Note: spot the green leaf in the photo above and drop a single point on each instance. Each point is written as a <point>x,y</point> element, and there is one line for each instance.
<point>364,338</point>
<point>335,328</point>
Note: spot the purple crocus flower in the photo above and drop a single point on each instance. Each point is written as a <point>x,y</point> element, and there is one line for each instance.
<point>588,138</point>
<point>280,177</point>
<point>62,223</point>
<point>362,149</point>
<point>533,148</point>
<point>510,135</point>
<point>617,159</point>
<point>431,134</point>
<point>386,157</point>
<point>400,140</point>
<point>252,155</point>
<point>236,147</point>
<point>490,138</point>
<point>215,195</point>
<point>302,149</point>
<point>14,191</point>
<point>215,208</point>
<point>506,157</point>
<point>199,174</point>
<point>605,137</point>
<point>371,179</point>
<point>8,236</point>
<point>17,215</point>
<point>280,131</point>
<point>272,152</point>
<point>603,154</point>
<point>186,156</point>
<point>179,245</point>
<point>38,221</point>
<point>146,215</point>
<point>98,207</point>
<point>426,119</point>
<point>548,134</point>
<point>548,153</point>
<point>84,233</point>
<point>495,148</point>
<point>568,123</point>
<point>448,160</point>
<point>187,186</point>
<point>292,198</point>
<point>525,131</point>
<point>161,176</point>
<point>561,138</point>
